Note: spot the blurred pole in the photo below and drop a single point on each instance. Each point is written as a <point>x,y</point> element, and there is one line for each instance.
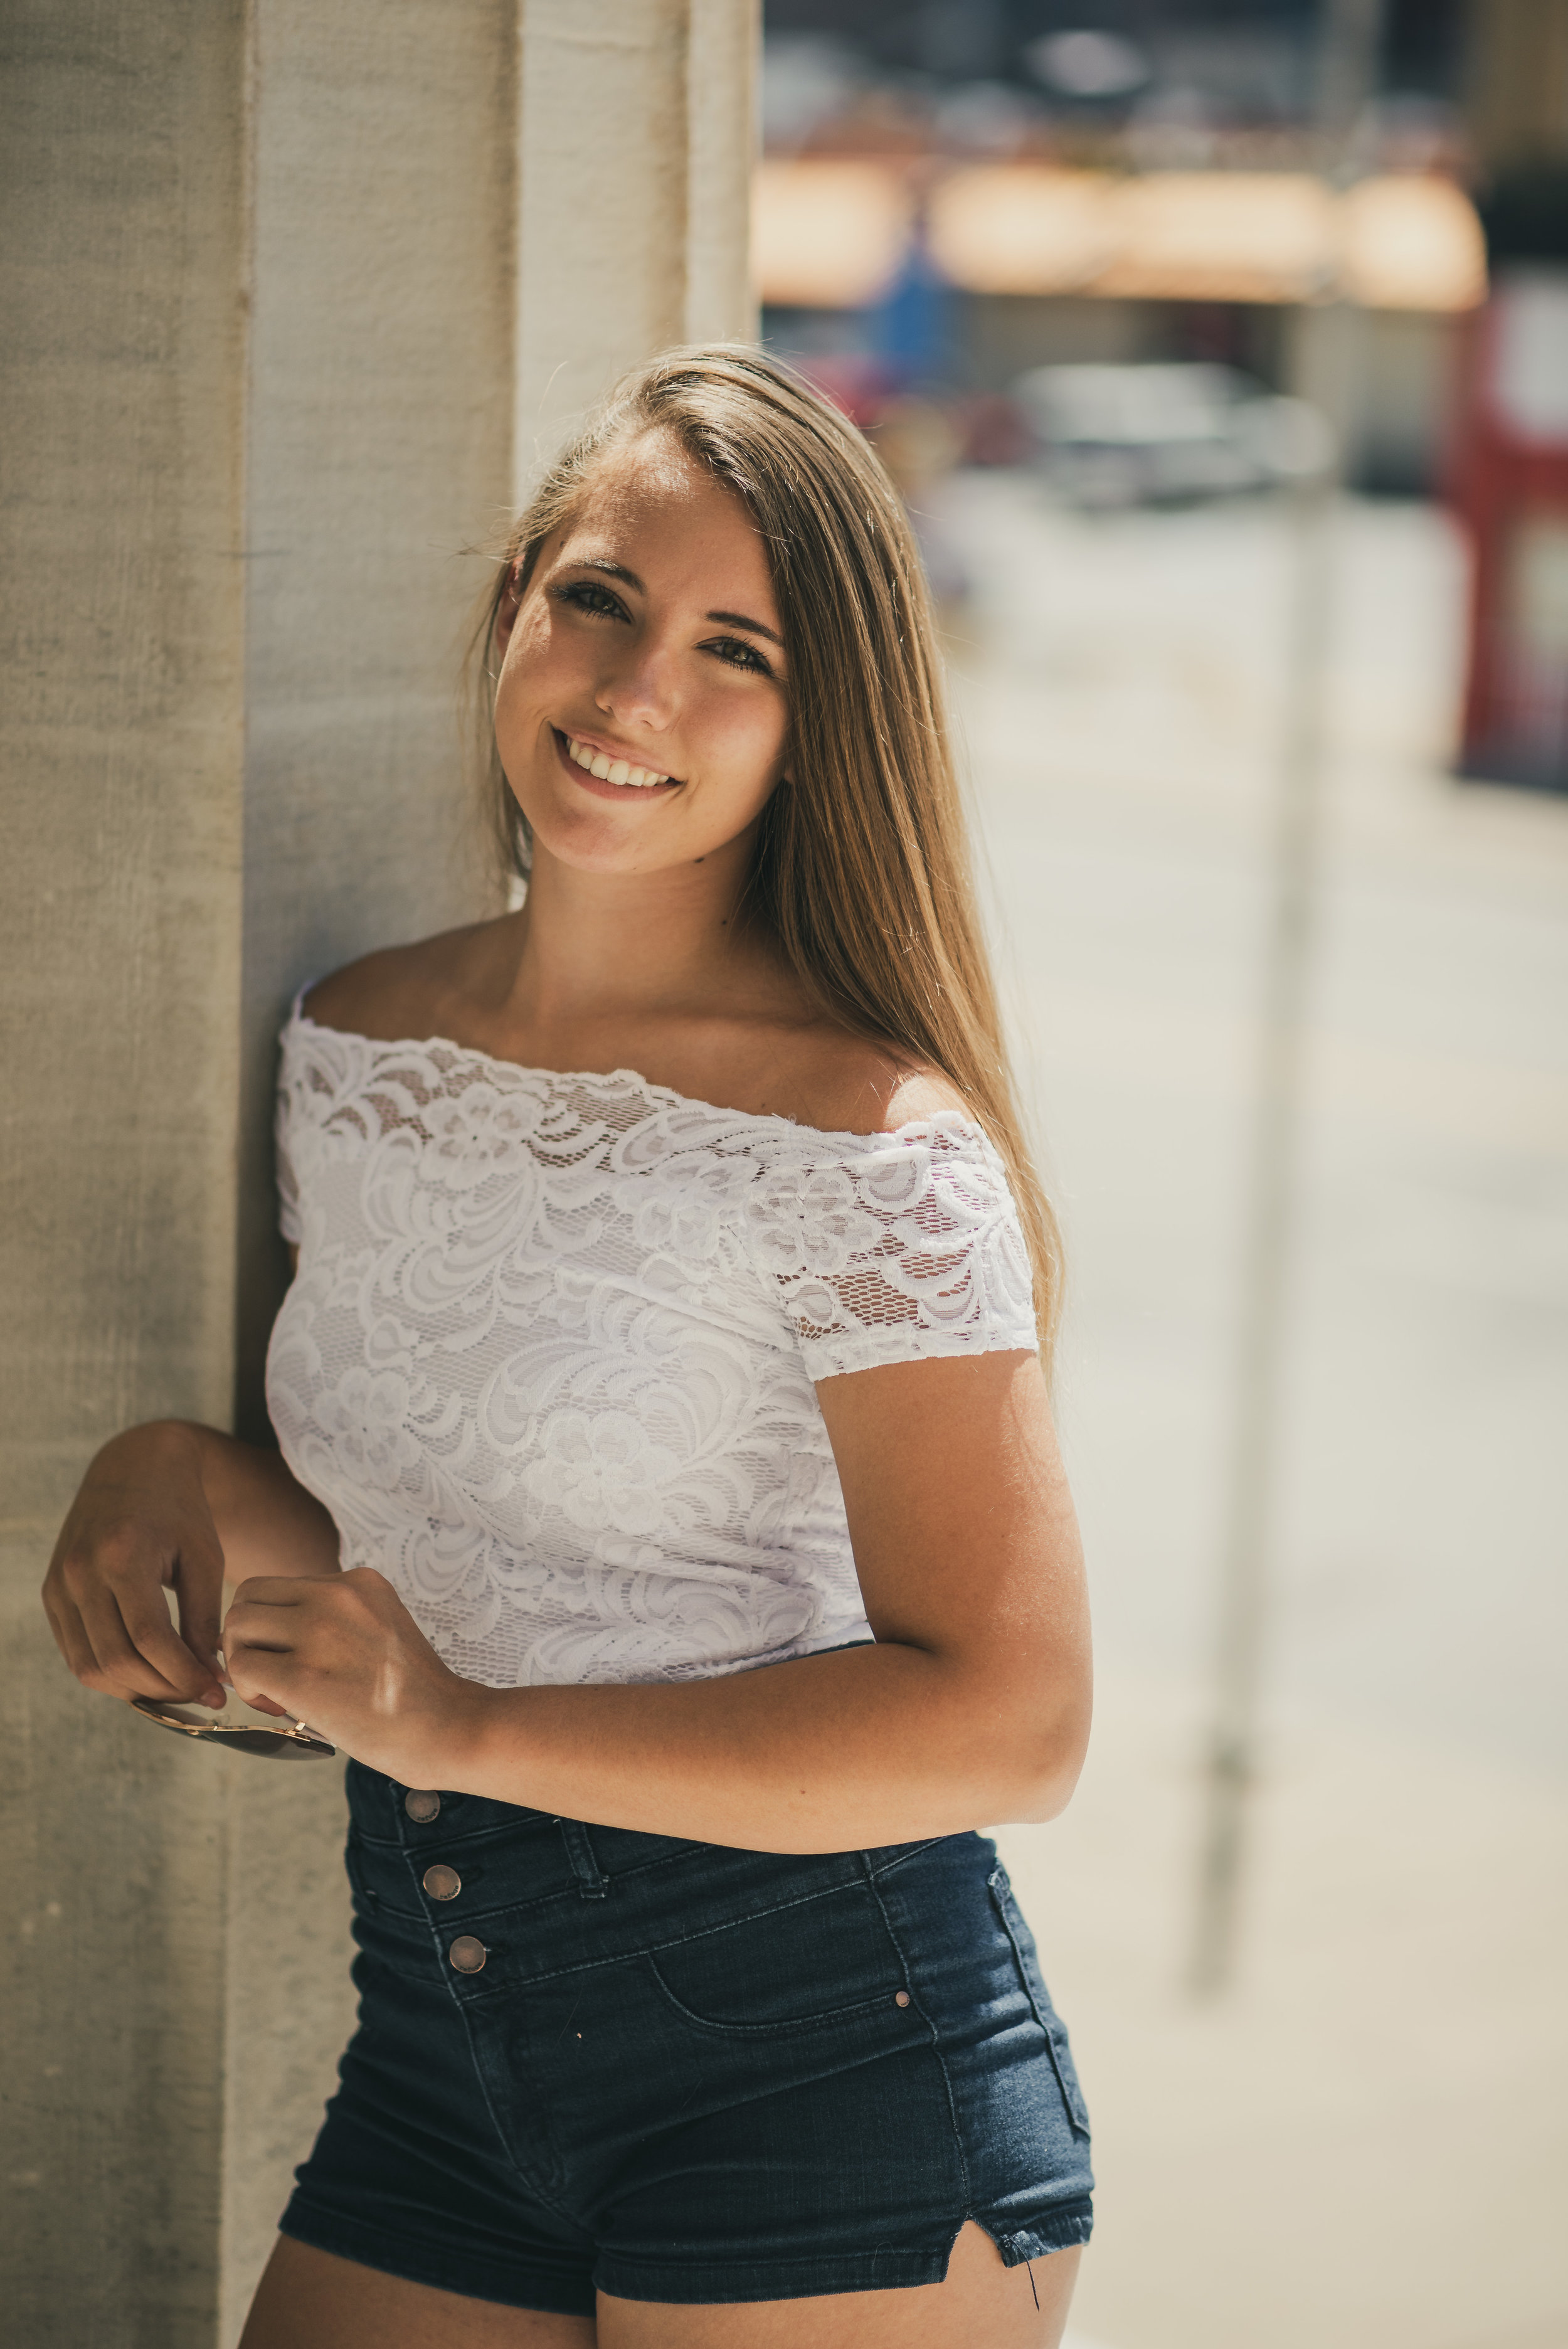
<point>1326,370</point>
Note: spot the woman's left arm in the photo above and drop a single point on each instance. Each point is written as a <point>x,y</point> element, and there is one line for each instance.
<point>971,1707</point>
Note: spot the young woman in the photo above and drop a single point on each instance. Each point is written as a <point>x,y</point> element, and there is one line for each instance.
<point>668,1520</point>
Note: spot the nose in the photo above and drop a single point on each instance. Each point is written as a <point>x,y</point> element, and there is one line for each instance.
<point>639,688</point>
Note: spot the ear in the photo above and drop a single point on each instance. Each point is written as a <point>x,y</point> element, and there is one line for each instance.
<point>508,607</point>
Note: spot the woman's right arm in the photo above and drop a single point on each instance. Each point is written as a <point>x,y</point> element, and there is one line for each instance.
<point>178,1506</point>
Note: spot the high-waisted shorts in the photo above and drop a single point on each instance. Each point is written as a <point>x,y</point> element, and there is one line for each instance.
<point>588,2058</point>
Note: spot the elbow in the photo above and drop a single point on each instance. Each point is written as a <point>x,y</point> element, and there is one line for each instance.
<point>1044,1760</point>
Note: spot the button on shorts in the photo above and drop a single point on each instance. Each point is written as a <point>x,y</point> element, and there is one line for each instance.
<point>589,2059</point>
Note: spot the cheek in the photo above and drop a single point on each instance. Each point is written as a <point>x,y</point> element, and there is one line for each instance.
<point>532,657</point>
<point>743,740</point>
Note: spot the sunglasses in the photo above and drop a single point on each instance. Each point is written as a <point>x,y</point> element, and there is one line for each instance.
<point>298,1744</point>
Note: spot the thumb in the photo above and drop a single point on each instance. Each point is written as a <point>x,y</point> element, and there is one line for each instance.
<point>198,1580</point>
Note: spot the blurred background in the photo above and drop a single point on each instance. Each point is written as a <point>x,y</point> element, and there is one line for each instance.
<point>1221,347</point>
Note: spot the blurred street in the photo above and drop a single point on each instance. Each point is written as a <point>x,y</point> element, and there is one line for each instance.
<point>1363,2143</point>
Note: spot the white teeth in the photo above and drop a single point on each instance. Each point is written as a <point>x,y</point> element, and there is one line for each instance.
<point>612,771</point>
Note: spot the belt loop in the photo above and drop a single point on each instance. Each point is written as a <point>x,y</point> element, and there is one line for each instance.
<point>591,1883</point>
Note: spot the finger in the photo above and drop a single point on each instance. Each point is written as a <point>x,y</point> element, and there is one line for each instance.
<point>118,1666</point>
<point>262,1677</point>
<point>276,1590</point>
<point>120,1608</point>
<point>198,1583</point>
<point>265,1629</point>
<point>260,1704</point>
<point>70,1637</point>
<point>154,1639</point>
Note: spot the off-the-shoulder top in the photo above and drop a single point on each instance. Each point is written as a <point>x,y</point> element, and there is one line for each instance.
<point>549,1358</point>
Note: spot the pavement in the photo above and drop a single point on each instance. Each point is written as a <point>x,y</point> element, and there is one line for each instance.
<point>1364,2140</point>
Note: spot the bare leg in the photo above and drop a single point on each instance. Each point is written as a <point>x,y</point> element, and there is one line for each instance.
<point>981,2303</point>
<point>312,2299</point>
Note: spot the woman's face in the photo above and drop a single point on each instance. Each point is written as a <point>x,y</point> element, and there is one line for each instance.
<point>647,646</point>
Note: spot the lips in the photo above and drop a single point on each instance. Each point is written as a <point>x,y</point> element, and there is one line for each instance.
<point>607,766</point>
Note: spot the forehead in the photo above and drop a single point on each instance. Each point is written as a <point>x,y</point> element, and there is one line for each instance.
<point>649,504</point>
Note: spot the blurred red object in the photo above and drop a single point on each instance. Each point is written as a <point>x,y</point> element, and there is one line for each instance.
<point>995,429</point>
<point>860,386</point>
<point>1509,483</point>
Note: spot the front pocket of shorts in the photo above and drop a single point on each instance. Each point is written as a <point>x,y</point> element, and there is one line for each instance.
<point>1027,1958</point>
<point>820,1960</point>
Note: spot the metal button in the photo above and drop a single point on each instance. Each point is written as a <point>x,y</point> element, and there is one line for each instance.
<point>900,1998</point>
<point>421,1805</point>
<point>467,1954</point>
<point>441,1882</point>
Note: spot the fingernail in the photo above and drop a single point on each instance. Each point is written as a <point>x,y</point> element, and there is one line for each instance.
<point>214,1697</point>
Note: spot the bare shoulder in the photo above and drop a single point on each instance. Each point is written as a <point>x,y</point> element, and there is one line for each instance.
<point>853,1086</point>
<point>417,990</point>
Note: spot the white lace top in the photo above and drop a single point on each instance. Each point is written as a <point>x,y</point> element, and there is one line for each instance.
<point>549,1356</point>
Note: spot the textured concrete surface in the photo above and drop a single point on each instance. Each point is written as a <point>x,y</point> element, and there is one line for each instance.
<point>377,451</point>
<point>121,750</point>
<point>1364,2142</point>
<point>637,128</point>
<point>279,285</point>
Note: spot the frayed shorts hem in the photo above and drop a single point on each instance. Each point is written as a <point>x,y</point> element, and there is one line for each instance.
<point>1064,2230</point>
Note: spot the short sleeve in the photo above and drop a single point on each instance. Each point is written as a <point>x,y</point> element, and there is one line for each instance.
<point>311,1071</point>
<point>908,1247</point>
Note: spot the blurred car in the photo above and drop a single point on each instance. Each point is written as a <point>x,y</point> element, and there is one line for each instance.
<point>1166,433</point>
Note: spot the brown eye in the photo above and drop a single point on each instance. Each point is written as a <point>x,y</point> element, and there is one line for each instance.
<point>736,653</point>
<point>587,595</point>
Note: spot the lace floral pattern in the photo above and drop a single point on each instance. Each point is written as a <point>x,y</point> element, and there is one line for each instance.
<point>549,1356</point>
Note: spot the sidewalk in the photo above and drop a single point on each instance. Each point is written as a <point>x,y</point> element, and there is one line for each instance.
<point>1366,2144</point>
<point>1363,2147</point>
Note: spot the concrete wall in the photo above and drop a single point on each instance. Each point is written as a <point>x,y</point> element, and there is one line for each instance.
<point>638,123</point>
<point>121,749</point>
<point>292,297</point>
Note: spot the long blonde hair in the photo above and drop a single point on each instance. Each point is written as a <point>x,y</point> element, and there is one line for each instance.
<point>862,867</point>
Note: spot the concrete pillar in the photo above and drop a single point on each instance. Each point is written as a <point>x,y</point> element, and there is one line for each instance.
<point>292,296</point>
<point>121,764</point>
<point>638,123</point>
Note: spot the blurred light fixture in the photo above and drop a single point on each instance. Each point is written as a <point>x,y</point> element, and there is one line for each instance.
<point>828,236</point>
<point>1086,64</point>
<point>1022,228</point>
<point>1221,236</point>
<point>1411,242</point>
<point>1394,242</point>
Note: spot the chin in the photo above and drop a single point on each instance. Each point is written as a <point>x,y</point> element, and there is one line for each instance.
<point>585,841</point>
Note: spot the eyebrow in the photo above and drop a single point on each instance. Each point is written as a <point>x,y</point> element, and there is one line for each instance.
<point>728,619</point>
<point>739,620</point>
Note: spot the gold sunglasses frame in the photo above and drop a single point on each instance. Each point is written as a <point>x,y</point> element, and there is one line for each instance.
<point>300,1744</point>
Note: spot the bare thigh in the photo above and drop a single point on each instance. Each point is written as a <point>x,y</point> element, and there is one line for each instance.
<point>313,2300</point>
<point>980,2302</point>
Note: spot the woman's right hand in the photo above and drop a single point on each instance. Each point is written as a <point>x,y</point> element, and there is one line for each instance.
<point>140,1525</point>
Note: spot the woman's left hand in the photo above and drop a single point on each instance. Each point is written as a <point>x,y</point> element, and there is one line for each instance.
<point>346,1657</point>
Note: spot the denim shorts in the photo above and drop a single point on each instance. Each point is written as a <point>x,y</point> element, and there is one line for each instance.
<point>589,2058</point>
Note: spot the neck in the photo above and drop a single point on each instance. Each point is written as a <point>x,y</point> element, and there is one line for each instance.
<point>616,947</point>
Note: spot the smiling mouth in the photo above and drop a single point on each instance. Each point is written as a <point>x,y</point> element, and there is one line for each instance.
<point>624,774</point>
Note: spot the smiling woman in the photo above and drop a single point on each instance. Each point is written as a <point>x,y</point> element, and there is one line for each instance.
<point>668,1520</point>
